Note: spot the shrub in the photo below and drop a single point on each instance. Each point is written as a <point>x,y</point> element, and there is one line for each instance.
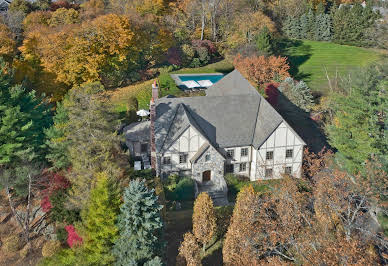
<point>12,243</point>
<point>298,93</point>
<point>61,234</point>
<point>185,189</point>
<point>73,239</point>
<point>50,248</point>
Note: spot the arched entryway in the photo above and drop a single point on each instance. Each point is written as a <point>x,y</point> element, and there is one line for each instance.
<point>206,176</point>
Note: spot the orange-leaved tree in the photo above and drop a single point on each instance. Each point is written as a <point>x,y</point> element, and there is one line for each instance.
<point>190,250</point>
<point>204,219</point>
<point>260,70</point>
<point>242,233</point>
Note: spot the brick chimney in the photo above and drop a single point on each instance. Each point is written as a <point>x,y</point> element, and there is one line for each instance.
<point>155,92</point>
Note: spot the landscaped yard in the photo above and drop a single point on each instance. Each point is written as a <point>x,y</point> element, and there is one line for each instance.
<point>310,58</point>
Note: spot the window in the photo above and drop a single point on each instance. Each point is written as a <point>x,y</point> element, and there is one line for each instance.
<point>269,155</point>
<point>288,170</point>
<point>229,168</point>
<point>289,153</point>
<point>143,148</point>
<point>183,158</point>
<point>268,172</point>
<point>244,152</point>
<point>207,157</point>
<point>167,160</point>
<point>243,167</point>
<point>230,154</point>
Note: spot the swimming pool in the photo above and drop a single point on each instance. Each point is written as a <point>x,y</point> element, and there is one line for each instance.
<point>212,78</point>
<point>196,81</point>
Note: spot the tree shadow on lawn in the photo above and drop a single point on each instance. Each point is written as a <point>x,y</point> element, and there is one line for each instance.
<point>297,53</point>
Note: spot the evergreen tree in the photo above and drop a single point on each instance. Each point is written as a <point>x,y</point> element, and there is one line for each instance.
<point>92,139</point>
<point>24,116</point>
<point>56,142</point>
<point>204,219</point>
<point>304,26</point>
<point>311,26</point>
<point>99,222</point>
<point>264,41</point>
<point>323,27</point>
<point>140,226</point>
<point>359,128</point>
<point>298,93</point>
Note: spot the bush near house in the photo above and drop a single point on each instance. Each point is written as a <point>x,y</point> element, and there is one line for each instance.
<point>179,188</point>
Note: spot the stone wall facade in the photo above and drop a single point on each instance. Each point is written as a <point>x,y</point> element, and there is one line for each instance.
<point>215,164</point>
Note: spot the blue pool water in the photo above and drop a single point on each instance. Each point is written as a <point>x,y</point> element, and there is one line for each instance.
<point>212,78</point>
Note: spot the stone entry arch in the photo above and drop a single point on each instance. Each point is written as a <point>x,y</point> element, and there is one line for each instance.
<point>206,176</point>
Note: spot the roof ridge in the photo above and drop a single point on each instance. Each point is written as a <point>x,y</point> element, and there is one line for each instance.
<point>171,123</point>
<point>257,115</point>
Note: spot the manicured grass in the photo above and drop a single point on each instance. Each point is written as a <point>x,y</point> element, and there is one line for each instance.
<point>310,58</point>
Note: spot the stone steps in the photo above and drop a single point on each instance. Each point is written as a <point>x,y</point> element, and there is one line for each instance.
<point>219,197</point>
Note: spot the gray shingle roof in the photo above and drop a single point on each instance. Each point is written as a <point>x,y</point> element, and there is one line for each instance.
<point>232,84</point>
<point>138,131</point>
<point>226,120</point>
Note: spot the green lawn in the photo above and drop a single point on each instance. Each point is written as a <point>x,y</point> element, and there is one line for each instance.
<point>308,60</point>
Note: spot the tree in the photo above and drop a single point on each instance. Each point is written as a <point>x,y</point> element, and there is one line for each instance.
<point>204,219</point>
<point>93,141</point>
<point>99,221</point>
<point>241,235</point>
<point>20,5</point>
<point>24,117</point>
<point>298,93</point>
<point>264,41</point>
<point>260,69</point>
<point>247,26</point>
<point>63,16</point>
<point>7,43</point>
<point>56,142</point>
<point>190,250</point>
<point>358,130</point>
<point>139,226</point>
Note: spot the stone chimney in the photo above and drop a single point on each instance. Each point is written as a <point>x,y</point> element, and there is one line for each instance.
<point>155,92</point>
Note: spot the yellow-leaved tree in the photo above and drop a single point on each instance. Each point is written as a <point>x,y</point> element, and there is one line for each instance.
<point>7,43</point>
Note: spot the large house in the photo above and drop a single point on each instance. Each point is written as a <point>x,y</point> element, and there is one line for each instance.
<point>232,129</point>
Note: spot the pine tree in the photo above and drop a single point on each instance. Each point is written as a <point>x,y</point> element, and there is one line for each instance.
<point>99,222</point>
<point>264,41</point>
<point>298,93</point>
<point>23,118</point>
<point>204,219</point>
<point>140,226</point>
<point>304,26</point>
<point>359,130</point>
<point>311,26</point>
<point>93,141</point>
<point>56,142</point>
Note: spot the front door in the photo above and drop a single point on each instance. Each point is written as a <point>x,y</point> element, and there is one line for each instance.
<point>206,175</point>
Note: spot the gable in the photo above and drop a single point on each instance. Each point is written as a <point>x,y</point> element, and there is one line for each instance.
<point>189,141</point>
<point>282,136</point>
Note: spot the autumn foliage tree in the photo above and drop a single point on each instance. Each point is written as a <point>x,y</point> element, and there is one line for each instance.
<point>261,70</point>
<point>189,250</point>
<point>7,43</point>
<point>204,219</point>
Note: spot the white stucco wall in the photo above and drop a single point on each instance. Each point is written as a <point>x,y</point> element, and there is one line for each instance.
<point>189,142</point>
<point>282,139</point>
<point>240,159</point>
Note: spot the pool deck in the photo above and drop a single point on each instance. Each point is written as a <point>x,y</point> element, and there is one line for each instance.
<point>182,86</point>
